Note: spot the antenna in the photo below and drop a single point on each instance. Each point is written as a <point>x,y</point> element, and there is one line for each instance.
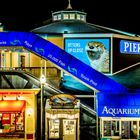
<point>69,4</point>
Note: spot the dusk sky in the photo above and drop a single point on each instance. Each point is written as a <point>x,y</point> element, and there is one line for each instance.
<point>118,14</point>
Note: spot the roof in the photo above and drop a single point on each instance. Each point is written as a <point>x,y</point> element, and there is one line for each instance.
<point>71,26</point>
<point>74,26</point>
<point>129,78</point>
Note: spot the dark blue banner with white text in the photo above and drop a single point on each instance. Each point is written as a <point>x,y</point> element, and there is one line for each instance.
<point>62,59</point>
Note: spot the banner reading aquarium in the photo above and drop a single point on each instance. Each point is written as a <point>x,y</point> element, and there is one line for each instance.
<point>118,105</point>
<point>95,52</point>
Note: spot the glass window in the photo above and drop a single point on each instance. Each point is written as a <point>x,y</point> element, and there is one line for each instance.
<point>4,84</point>
<point>78,16</point>
<point>83,17</point>
<point>111,128</point>
<point>72,16</point>
<point>107,128</point>
<point>54,128</point>
<point>59,17</point>
<point>66,16</point>
<point>12,124</point>
<point>17,81</point>
<point>55,17</point>
<point>115,128</point>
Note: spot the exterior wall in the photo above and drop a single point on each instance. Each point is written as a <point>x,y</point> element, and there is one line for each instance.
<point>30,119</point>
<point>14,57</point>
<point>56,40</point>
<point>35,61</point>
<point>122,61</point>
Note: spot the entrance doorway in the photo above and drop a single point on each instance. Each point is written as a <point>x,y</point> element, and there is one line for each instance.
<point>129,129</point>
<point>69,129</point>
<point>62,129</point>
<point>120,128</point>
<point>22,61</point>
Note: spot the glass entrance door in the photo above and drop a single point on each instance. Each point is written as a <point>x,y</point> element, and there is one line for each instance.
<point>129,129</point>
<point>69,129</point>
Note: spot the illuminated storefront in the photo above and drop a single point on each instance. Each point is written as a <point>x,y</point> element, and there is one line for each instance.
<point>70,32</point>
<point>119,115</point>
<point>62,117</point>
<point>18,114</point>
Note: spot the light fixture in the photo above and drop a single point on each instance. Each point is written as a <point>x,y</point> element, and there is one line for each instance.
<point>43,79</point>
<point>29,111</point>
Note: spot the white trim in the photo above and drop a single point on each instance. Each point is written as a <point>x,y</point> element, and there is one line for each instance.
<point>86,35</point>
<point>125,37</point>
<point>111,56</point>
<point>85,96</point>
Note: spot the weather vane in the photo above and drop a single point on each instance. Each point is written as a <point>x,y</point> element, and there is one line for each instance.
<point>69,4</point>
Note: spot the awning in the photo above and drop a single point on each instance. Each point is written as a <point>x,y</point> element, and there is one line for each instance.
<point>12,106</point>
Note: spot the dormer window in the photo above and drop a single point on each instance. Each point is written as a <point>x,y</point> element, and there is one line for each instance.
<point>78,16</point>
<point>83,17</point>
<point>55,17</point>
<point>69,15</point>
<point>59,17</point>
<point>72,16</point>
<point>66,16</point>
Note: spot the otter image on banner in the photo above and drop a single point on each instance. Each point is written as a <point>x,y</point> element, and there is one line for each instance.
<point>98,56</point>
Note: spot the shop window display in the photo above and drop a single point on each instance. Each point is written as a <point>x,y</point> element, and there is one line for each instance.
<point>54,128</point>
<point>111,128</point>
<point>12,124</point>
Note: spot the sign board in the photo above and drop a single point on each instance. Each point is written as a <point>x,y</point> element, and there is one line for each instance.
<point>94,52</point>
<point>129,47</point>
<point>118,105</point>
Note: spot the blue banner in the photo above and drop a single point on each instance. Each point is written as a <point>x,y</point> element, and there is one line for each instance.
<point>64,60</point>
<point>129,47</point>
<point>118,105</point>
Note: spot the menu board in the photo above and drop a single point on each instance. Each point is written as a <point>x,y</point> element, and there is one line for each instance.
<point>107,128</point>
<point>125,129</point>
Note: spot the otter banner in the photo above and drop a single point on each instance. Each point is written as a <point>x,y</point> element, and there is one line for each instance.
<point>118,105</point>
<point>94,52</point>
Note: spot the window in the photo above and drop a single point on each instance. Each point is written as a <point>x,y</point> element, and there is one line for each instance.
<point>12,124</point>
<point>83,17</point>
<point>54,17</point>
<point>111,128</point>
<point>66,16</point>
<point>78,16</point>
<point>54,128</point>
<point>72,16</point>
<point>59,17</point>
<point>17,81</point>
